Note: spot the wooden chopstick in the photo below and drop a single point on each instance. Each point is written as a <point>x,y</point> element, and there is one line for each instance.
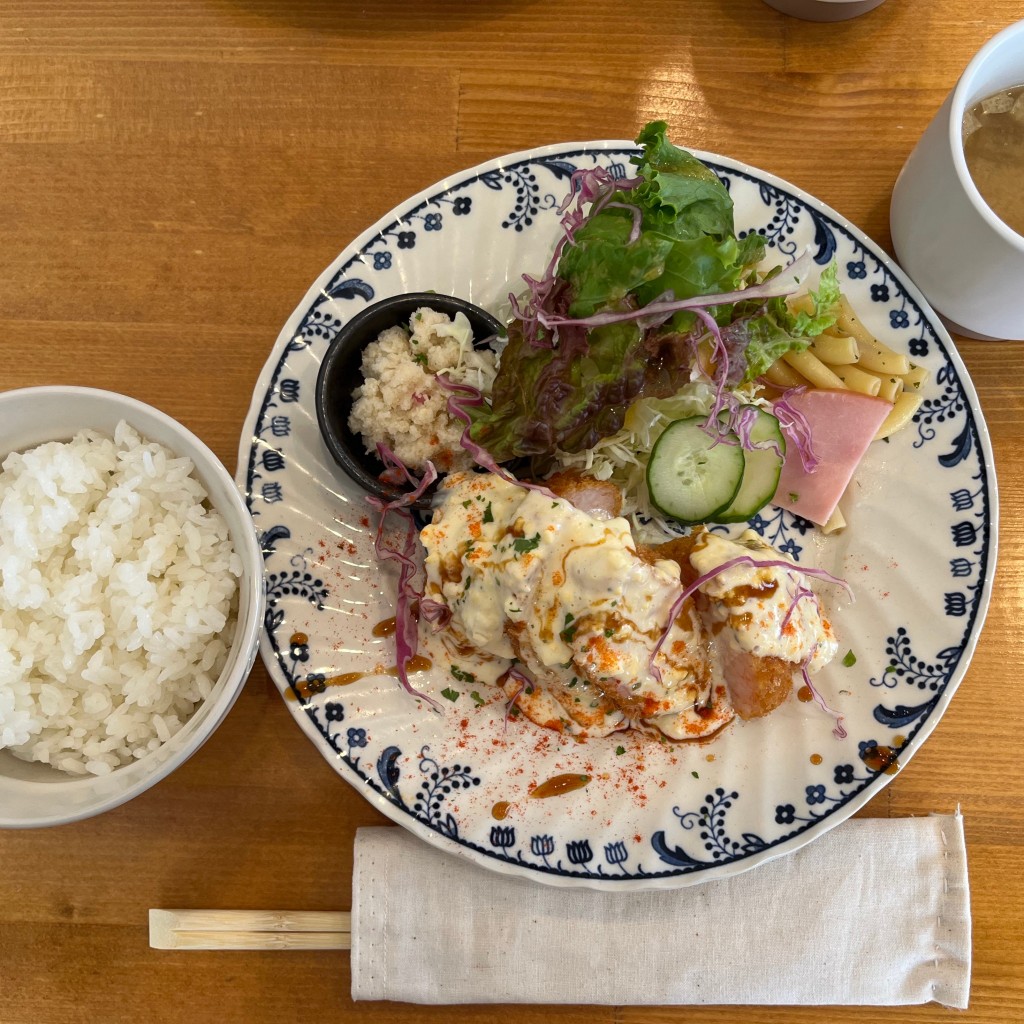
<point>250,929</point>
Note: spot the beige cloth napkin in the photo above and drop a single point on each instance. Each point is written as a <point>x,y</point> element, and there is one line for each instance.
<point>875,912</point>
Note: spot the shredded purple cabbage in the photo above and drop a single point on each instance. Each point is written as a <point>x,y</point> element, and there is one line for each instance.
<point>839,731</point>
<point>782,284</point>
<point>524,680</point>
<point>594,186</point>
<point>742,423</point>
<point>483,458</point>
<point>435,612</point>
<point>396,470</point>
<point>759,563</point>
<point>795,424</point>
<point>657,312</point>
<point>801,592</point>
<point>636,213</point>
<point>406,626</point>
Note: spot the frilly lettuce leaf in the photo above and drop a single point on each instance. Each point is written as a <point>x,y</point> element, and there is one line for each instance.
<point>602,267</point>
<point>671,234</point>
<point>678,190</point>
<point>775,330</point>
<point>568,396</point>
<point>826,302</point>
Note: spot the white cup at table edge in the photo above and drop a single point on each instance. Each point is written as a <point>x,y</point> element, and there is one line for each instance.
<point>966,261</point>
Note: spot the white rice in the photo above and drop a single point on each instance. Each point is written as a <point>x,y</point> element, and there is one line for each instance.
<point>117,584</point>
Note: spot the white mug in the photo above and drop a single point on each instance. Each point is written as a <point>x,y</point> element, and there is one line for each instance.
<point>968,263</point>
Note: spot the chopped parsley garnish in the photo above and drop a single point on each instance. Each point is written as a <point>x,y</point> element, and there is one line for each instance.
<point>620,750</point>
<point>452,695</point>
<point>420,358</point>
<point>794,497</point>
<point>568,630</point>
<point>524,544</point>
<point>850,660</point>
<point>609,632</point>
<point>463,676</point>
<point>488,514</point>
<point>467,503</point>
<point>695,775</point>
<point>477,699</point>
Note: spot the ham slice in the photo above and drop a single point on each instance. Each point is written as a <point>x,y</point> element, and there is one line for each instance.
<point>842,425</point>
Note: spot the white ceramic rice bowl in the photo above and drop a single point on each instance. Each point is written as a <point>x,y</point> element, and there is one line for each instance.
<point>34,794</point>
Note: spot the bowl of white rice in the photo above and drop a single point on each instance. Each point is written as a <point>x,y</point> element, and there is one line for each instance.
<point>131,598</point>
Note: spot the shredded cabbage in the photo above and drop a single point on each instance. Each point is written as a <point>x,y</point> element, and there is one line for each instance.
<point>622,458</point>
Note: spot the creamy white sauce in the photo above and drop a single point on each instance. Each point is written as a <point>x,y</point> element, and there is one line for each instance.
<point>503,557</point>
<point>753,602</point>
<point>528,575</point>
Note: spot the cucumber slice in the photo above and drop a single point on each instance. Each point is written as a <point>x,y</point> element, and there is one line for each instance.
<point>760,473</point>
<point>689,476</point>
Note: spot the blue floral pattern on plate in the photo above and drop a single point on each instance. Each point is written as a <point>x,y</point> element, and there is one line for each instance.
<point>919,553</point>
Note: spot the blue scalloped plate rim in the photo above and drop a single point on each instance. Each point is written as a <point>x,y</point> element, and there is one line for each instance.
<point>731,805</point>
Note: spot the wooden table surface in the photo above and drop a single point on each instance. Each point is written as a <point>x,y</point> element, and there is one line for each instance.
<point>172,178</point>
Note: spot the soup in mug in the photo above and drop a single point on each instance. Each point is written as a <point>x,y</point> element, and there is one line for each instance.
<point>994,148</point>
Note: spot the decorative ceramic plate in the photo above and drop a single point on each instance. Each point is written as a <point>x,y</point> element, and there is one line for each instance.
<point>919,554</point>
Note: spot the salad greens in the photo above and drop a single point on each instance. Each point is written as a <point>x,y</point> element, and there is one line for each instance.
<point>614,317</point>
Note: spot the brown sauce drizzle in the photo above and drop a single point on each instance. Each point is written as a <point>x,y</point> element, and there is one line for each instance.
<point>466,650</point>
<point>417,663</point>
<point>306,688</point>
<point>386,627</point>
<point>749,591</point>
<point>558,785</point>
<point>574,549</point>
<point>880,759</point>
<point>499,812</point>
<point>804,694</point>
<point>816,758</point>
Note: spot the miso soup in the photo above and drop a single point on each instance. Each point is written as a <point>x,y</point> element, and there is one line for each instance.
<point>994,147</point>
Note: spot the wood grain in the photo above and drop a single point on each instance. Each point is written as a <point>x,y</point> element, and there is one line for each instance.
<point>172,179</point>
